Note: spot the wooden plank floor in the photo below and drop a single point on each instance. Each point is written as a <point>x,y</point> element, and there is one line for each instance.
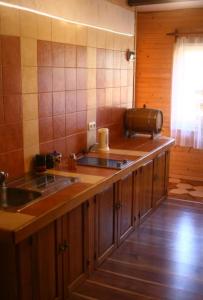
<point>162,259</point>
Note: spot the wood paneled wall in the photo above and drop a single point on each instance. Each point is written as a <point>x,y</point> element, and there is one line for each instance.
<point>153,75</point>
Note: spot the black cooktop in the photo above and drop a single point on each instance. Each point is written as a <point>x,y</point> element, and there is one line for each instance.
<point>103,162</point>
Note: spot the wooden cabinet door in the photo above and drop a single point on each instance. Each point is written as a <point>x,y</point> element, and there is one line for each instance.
<point>159,178</point>
<point>124,201</point>
<point>75,240</point>
<point>40,264</point>
<point>167,171</point>
<point>146,189</point>
<point>137,194</point>
<point>105,224</point>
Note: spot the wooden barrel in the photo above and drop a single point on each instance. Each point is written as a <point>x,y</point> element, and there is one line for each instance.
<point>144,120</point>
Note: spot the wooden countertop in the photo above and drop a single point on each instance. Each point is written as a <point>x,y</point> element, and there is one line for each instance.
<point>15,226</point>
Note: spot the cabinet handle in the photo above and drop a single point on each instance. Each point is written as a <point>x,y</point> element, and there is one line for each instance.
<point>118,205</point>
<point>63,247</point>
<point>156,177</point>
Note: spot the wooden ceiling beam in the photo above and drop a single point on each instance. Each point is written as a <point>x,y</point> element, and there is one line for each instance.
<point>148,2</point>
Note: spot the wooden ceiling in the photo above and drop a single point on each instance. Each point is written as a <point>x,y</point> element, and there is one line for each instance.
<point>149,2</point>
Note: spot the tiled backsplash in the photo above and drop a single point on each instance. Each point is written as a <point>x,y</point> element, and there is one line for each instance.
<point>73,79</point>
<point>55,78</point>
<point>11,127</point>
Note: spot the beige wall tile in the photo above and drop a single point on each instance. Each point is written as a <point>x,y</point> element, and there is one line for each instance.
<point>91,57</point>
<point>70,33</point>
<point>101,39</point>
<point>117,42</point>
<point>43,28</point>
<point>30,107</point>
<point>91,79</point>
<point>131,65</point>
<point>91,37</point>
<point>81,35</point>
<point>58,31</point>
<point>29,80</point>
<point>109,40</point>
<point>124,42</point>
<point>130,95</point>
<point>30,133</point>
<point>129,105</point>
<point>10,21</point>
<point>28,24</point>
<point>91,99</point>
<point>109,96</point>
<point>131,43</point>
<point>29,154</point>
<point>28,52</point>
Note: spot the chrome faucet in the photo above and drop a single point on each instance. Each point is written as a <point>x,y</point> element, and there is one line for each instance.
<point>3,176</point>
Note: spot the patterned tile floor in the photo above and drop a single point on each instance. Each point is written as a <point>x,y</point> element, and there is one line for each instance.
<point>186,189</point>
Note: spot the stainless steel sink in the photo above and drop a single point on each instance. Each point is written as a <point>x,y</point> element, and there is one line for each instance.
<point>14,197</point>
<point>23,191</point>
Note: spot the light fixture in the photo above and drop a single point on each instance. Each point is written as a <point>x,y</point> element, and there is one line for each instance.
<point>62,19</point>
<point>130,55</point>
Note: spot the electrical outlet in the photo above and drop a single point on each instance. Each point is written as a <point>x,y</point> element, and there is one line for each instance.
<point>92,125</point>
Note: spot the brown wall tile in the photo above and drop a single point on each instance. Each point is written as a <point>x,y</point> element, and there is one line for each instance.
<point>45,129</point>
<point>45,105</point>
<point>58,55</point>
<point>11,129</point>
<point>13,136</point>
<point>70,79</point>
<point>59,126</point>
<point>47,147</point>
<point>81,79</point>
<point>101,78</point>
<point>58,103</point>
<point>81,117</point>
<point>45,79</point>
<point>101,97</point>
<point>75,143</point>
<point>81,100</point>
<point>101,58</point>
<point>11,79</point>
<point>58,79</point>
<point>60,146</point>
<point>10,50</point>
<point>44,54</point>
<point>81,57</point>
<point>71,103</point>
<point>71,124</point>
<point>15,162</point>
<point>12,108</point>
<point>70,56</point>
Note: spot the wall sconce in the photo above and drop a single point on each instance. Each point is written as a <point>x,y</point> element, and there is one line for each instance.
<point>130,55</point>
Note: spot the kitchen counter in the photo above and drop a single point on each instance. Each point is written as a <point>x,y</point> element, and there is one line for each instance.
<point>16,226</point>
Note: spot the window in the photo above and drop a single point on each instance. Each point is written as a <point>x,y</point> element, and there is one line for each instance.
<point>187,92</point>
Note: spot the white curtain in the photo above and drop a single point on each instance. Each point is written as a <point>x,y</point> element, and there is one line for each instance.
<point>187,92</point>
